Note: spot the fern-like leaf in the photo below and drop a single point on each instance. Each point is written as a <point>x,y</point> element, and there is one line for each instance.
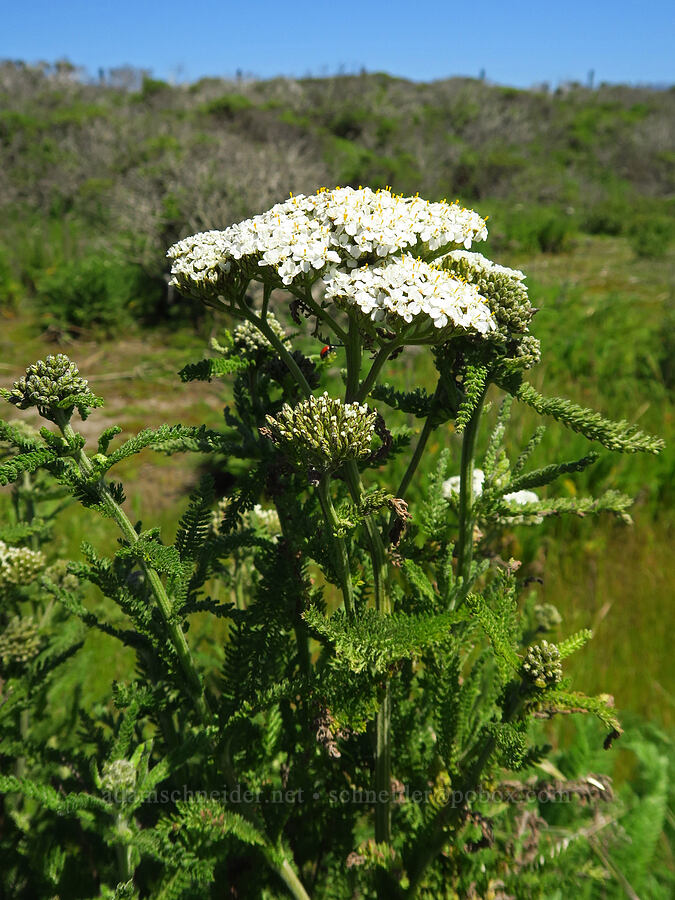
<point>620,436</point>
<point>207,369</point>
<point>378,641</point>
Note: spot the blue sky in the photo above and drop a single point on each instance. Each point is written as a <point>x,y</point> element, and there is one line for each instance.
<point>514,42</point>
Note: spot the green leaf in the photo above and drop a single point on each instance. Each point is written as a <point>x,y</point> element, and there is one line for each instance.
<point>166,437</point>
<point>207,369</point>
<point>376,641</point>
<point>619,436</point>
<point>417,402</point>
<point>475,381</point>
<point>49,797</point>
<point>575,642</point>
<point>25,462</point>
<point>547,474</point>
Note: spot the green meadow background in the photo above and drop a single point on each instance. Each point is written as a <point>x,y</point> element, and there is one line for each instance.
<point>97,180</point>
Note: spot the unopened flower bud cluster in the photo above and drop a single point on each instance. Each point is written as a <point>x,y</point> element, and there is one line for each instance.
<point>118,776</point>
<point>48,383</point>
<point>323,432</point>
<point>542,664</point>
<point>404,289</point>
<point>250,341</point>
<point>19,566</point>
<point>20,641</point>
<point>504,291</point>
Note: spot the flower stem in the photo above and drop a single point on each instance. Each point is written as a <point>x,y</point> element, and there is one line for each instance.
<point>291,880</point>
<point>353,352</point>
<point>262,325</point>
<point>466,516</point>
<point>383,722</point>
<point>319,311</point>
<point>383,355</point>
<point>341,554</point>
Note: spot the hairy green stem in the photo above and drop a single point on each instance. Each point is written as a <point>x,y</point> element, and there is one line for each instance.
<point>466,497</point>
<point>291,880</point>
<point>383,768</point>
<point>382,356</point>
<point>341,555</point>
<point>353,352</point>
<point>378,559</point>
<point>124,849</point>
<point>262,325</point>
<point>377,550</point>
<point>416,457</point>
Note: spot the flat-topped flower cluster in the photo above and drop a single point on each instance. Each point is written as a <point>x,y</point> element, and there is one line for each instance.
<point>371,236</point>
<point>405,287</point>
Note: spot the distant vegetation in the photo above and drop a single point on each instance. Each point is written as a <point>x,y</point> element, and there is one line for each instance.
<point>94,175</point>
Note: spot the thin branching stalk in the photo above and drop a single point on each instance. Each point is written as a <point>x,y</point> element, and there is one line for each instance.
<point>318,310</point>
<point>466,498</point>
<point>341,555</point>
<point>380,359</point>
<point>262,325</point>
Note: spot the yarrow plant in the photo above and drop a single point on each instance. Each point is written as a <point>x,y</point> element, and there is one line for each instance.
<point>367,673</point>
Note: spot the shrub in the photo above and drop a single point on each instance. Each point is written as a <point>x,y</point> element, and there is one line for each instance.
<point>651,235</point>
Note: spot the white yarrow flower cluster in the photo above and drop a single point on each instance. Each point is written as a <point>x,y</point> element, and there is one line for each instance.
<point>405,289</point>
<point>381,223</point>
<point>308,234</point>
<point>265,520</point>
<point>451,486</point>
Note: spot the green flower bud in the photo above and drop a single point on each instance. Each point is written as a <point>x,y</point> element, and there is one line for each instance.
<point>251,342</point>
<point>55,387</point>
<point>19,566</point>
<point>508,300</point>
<point>323,432</point>
<point>118,777</point>
<point>20,641</point>
<point>542,665</point>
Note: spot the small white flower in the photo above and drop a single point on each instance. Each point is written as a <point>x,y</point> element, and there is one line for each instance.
<point>451,486</point>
